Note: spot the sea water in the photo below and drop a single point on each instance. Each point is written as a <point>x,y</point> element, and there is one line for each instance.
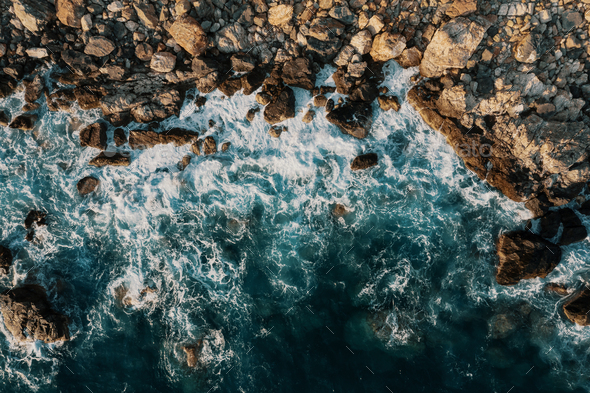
<point>241,251</point>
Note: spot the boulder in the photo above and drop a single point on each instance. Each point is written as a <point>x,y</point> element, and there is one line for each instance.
<point>114,159</point>
<point>70,12</point>
<point>182,164</point>
<point>147,14</point>
<point>163,62</point>
<point>462,8</point>
<point>577,309</point>
<point>34,89</point>
<point>225,146</point>
<point>232,38</point>
<point>550,224</point>
<point>362,42</point>
<point>24,122</point>
<point>343,14</point>
<point>94,135</point>
<point>323,51</point>
<point>35,15</point>
<point>144,52</point>
<point>209,145</point>
<point>281,107</point>
<point>119,137</point>
<point>299,73</point>
<point>28,315</point>
<point>145,139</point>
<point>573,230</point>
<point>354,118</point>
<point>452,45</point>
<point>280,15</point>
<point>189,34</point>
<point>230,86</point>
<point>387,46</point>
<point>527,50</point>
<point>99,47</point>
<point>524,255</point>
<point>87,97</point>
<point>276,131</point>
<point>5,260</point>
<point>364,161</point>
<point>87,185</point>
<point>410,57</point>
<point>35,217</point>
<point>325,29</point>
<point>78,62</point>
<point>242,63</point>
<point>4,119</point>
<point>389,102</point>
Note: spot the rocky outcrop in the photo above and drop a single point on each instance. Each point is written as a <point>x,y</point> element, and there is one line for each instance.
<point>281,107</point>
<point>354,118</point>
<point>87,185</point>
<point>28,315</point>
<point>145,139</point>
<point>364,161</point>
<point>113,159</point>
<point>577,308</point>
<point>94,135</point>
<point>524,255</point>
<point>5,260</point>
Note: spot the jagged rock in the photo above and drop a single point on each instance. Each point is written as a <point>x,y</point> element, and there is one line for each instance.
<point>186,160</point>
<point>559,289</point>
<point>109,158</point>
<point>87,98</point>
<point>452,45</point>
<point>280,15</point>
<point>242,63</point>
<point>4,119</point>
<point>163,62</point>
<point>5,260</point>
<point>232,38</point>
<point>362,42</point>
<point>299,73</point>
<point>24,122</point>
<point>147,14</point>
<point>389,102</point>
<point>34,89</point>
<point>94,135</point>
<point>231,86</point>
<point>34,14</point>
<point>252,81</point>
<point>573,230</point>
<point>28,316</point>
<point>354,118</point>
<point>462,8</point>
<point>343,14</point>
<point>323,51</point>
<point>325,29</point>
<point>387,46</point>
<point>145,139</point>
<point>366,92</point>
<point>550,224</point>
<point>524,255</point>
<point>410,57</point>
<point>225,146</point>
<point>527,50</point>
<point>577,309</point>
<point>35,217</point>
<point>99,47</point>
<point>189,34</point>
<point>281,107</point>
<point>70,12</point>
<point>209,145</point>
<point>364,161</point>
<point>87,185</point>
<point>78,62</point>
<point>339,210</point>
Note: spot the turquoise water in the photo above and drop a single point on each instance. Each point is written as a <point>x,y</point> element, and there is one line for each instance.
<point>242,251</point>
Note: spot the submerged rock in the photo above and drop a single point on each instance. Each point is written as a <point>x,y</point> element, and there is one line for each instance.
<point>35,217</point>
<point>354,118</point>
<point>28,316</point>
<point>578,308</point>
<point>559,289</point>
<point>524,255</point>
<point>364,161</point>
<point>114,159</point>
<point>5,260</point>
<point>192,353</point>
<point>339,210</point>
<point>87,185</point>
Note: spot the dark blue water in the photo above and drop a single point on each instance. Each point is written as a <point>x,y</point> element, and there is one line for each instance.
<point>242,251</point>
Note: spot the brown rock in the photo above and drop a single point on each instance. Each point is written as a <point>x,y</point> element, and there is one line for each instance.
<point>87,98</point>
<point>559,289</point>
<point>354,118</point>
<point>145,139</point>
<point>163,62</point>
<point>280,15</point>
<point>99,46</point>
<point>308,117</point>
<point>573,230</point>
<point>225,146</point>
<point>144,52</point>
<point>281,107</point>
<point>578,308</point>
<point>119,137</point>
<point>109,158</point>
<point>364,161</point>
<point>189,34</point>
<point>186,160</point>
<point>299,73</point>
<point>209,145</point>
<point>94,135</point>
<point>192,353</point>
<point>387,46</point>
<point>28,316</point>
<point>147,14</point>
<point>462,8</point>
<point>320,100</point>
<point>276,131</point>
<point>5,260</point>
<point>34,14</point>
<point>70,12</point>
<point>251,113</point>
<point>35,217</point>
<point>524,255</point>
<point>389,102</point>
<point>229,87</point>
<point>87,185</point>
<point>339,210</point>
<point>410,57</point>
<point>24,122</point>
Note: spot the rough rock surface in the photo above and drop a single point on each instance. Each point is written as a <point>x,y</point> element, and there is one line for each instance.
<point>387,46</point>
<point>113,159</point>
<point>70,12</point>
<point>281,107</point>
<point>189,34</point>
<point>28,316</point>
<point>24,122</point>
<point>145,139</point>
<point>354,118</point>
<point>524,255</point>
<point>94,135</point>
<point>87,185</point>
<point>35,15</point>
<point>364,161</point>
<point>5,260</point>
<point>577,309</point>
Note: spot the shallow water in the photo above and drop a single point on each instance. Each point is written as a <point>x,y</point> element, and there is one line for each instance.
<point>399,295</point>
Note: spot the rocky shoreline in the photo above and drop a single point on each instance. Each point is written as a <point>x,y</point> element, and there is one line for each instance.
<point>505,82</point>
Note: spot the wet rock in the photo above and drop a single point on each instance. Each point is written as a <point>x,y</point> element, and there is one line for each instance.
<point>389,102</point>
<point>186,160</point>
<point>87,97</point>
<point>209,145</point>
<point>189,34</point>
<point>28,315</point>
<point>252,113</point>
<point>559,289</point>
<point>34,14</point>
<point>87,185</point>
<point>364,161</point>
<point>330,105</point>
<point>24,122</point>
<point>573,230</point>
<point>524,255</point>
<point>242,63</point>
<point>577,309</point>
<point>308,117</point>
<point>452,45</point>
<point>281,107</point>
<point>320,100</point>
<point>229,87</point>
<point>387,46</point>
<point>354,118</point>
<point>145,139</point>
<point>70,12</point>
<point>119,137</point>
<point>550,224</point>
<point>339,210</point>
<point>99,47</point>
<point>323,51</point>
<point>196,147</point>
<point>35,217</point>
<point>113,159</point>
<point>4,119</point>
<point>33,89</point>
<point>299,73</point>
<point>163,62</point>
<point>94,135</point>
<point>276,131</point>
<point>5,260</point>
<point>192,353</point>
<point>225,146</point>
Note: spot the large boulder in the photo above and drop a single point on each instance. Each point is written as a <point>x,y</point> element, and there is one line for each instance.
<point>299,73</point>
<point>70,12</point>
<point>354,118</point>
<point>5,260</point>
<point>578,308</point>
<point>524,255</point>
<point>28,315</point>
<point>189,34</point>
<point>573,230</point>
<point>452,45</point>
<point>145,139</point>
<point>99,47</point>
<point>387,46</point>
<point>94,135</point>
<point>281,107</point>
<point>34,14</point>
<point>364,161</point>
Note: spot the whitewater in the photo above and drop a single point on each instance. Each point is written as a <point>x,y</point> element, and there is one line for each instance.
<point>241,250</point>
